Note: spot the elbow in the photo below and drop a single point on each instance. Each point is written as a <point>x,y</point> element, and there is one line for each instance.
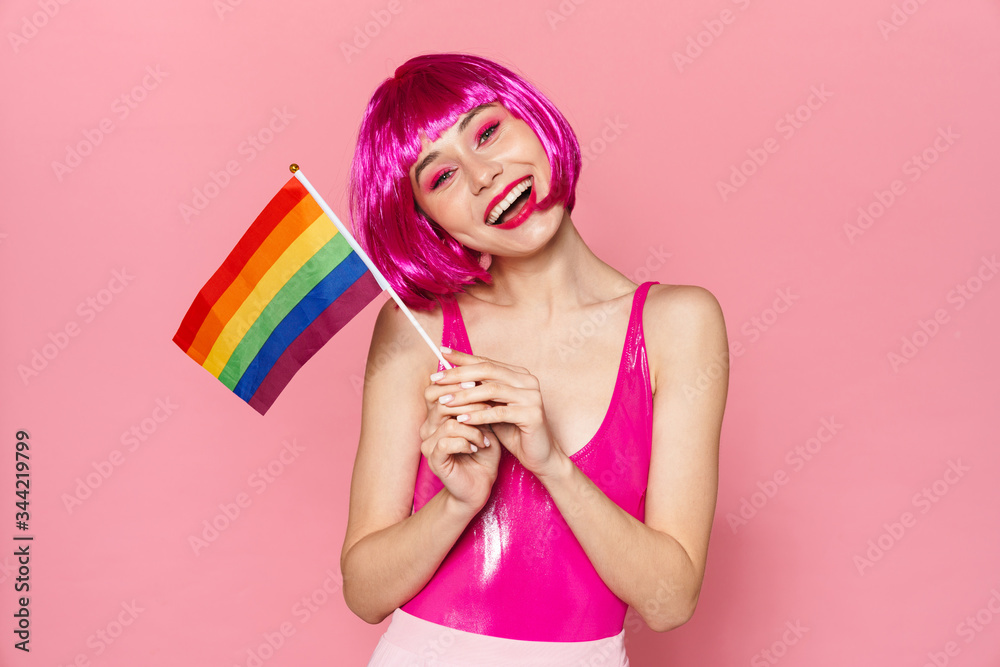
<point>356,604</point>
<point>665,615</point>
<point>366,614</point>
<point>671,621</point>
<point>355,596</point>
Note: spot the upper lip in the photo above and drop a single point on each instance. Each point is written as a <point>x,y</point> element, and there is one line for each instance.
<point>496,200</point>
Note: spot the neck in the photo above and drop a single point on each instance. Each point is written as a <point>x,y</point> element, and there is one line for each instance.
<point>562,275</point>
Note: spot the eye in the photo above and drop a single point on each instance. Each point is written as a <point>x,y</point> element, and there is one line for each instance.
<point>441,179</point>
<point>483,136</point>
<point>487,133</point>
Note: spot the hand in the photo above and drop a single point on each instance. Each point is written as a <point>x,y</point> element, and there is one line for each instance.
<point>457,452</point>
<point>437,412</point>
<point>508,399</point>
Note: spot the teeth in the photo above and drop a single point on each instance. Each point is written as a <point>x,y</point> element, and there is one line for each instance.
<point>505,203</point>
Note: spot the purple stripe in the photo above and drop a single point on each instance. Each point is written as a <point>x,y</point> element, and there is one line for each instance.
<point>313,337</point>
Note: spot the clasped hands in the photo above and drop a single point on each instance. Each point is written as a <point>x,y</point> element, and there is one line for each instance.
<point>475,408</point>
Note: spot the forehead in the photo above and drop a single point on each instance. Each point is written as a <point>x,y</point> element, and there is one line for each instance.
<point>459,123</point>
<point>429,148</point>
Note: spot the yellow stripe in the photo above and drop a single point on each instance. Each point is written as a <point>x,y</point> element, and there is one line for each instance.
<point>297,254</point>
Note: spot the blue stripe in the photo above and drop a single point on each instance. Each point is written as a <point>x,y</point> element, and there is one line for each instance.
<point>298,319</point>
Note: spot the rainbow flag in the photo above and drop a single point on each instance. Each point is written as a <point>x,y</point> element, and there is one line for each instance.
<point>291,283</point>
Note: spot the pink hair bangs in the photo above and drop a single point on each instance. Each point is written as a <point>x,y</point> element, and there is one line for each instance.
<point>428,94</point>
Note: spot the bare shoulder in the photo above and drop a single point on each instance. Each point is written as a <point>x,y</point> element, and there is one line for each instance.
<point>682,325</point>
<point>397,346</point>
<point>683,301</point>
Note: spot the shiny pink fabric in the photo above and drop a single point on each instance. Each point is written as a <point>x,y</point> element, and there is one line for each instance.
<point>517,571</point>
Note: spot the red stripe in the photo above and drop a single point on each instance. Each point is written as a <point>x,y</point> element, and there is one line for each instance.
<point>287,198</point>
<point>313,337</point>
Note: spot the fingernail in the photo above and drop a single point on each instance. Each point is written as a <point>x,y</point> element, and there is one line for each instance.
<point>462,418</point>
<point>445,398</point>
<point>436,377</point>
<point>486,441</point>
<point>474,449</point>
<point>468,385</point>
<point>446,350</point>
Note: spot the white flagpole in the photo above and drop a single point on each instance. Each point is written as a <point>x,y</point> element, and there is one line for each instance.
<point>364,257</point>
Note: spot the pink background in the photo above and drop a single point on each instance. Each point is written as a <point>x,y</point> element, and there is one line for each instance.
<point>814,309</point>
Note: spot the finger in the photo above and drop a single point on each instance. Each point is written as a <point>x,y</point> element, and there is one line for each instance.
<point>485,370</point>
<point>453,437</point>
<point>437,414</point>
<point>491,393</point>
<point>453,446</point>
<point>457,358</point>
<point>454,402</point>
<point>461,397</point>
<point>518,415</point>
<point>436,390</point>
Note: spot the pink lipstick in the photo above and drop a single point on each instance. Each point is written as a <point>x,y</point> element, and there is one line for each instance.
<point>526,210</point>
<point>500,204</point>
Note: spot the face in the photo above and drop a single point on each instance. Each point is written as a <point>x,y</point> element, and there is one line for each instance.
<point>481,181</point>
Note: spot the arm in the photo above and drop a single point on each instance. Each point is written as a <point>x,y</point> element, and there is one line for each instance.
<point>388,554</point>
<point>657,567</point>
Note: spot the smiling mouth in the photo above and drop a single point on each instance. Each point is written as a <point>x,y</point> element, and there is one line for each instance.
<point>512,204</point>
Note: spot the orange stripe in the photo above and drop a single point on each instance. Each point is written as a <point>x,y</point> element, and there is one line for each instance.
<point>289,229</point>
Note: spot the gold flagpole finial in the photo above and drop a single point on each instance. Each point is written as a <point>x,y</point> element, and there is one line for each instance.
<point>293,167</point>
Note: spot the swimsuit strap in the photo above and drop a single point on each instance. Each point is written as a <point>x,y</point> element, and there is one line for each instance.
<point>453,333</point>
<point>636,335</point>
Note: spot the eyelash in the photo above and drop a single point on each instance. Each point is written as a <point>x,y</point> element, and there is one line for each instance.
<point>487,133</point>
<point>490,129</point>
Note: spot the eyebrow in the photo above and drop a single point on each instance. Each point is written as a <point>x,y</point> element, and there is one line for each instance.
<point>464,123</point>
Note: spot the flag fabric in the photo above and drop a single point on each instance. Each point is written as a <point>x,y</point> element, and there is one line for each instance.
<point>291,283</point>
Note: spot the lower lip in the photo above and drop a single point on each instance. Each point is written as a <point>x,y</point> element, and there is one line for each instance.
<point>528,209</point>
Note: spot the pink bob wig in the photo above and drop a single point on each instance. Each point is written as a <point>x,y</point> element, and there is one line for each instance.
<point>428,94</point>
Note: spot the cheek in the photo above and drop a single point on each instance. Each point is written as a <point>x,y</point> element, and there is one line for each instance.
<point>447,212</point>
<point>541,158</point>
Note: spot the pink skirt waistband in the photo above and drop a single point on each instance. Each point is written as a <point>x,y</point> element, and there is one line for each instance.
<point>410,641</point>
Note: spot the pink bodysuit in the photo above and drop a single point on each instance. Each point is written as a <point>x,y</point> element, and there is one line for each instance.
<point>518,571</point>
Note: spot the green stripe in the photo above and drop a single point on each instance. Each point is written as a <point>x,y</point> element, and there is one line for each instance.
<point>307,277</point>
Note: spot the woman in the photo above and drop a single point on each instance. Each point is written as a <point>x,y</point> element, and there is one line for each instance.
<point>509,509</point>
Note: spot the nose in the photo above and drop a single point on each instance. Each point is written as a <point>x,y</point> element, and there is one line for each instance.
<point>482,173</point>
